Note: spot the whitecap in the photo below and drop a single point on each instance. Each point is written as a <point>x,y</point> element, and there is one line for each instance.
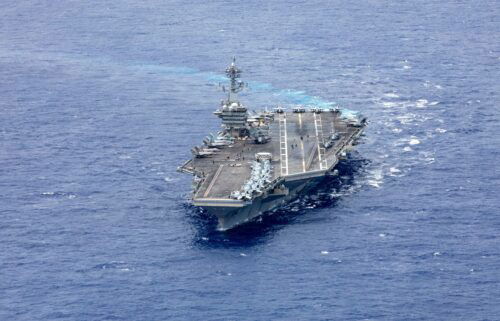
<point>421,103</point>
<point>243,254</point>
<point>414,141</point>
<point>430,160</point>
<point>168,179</point>
<point>377,174</point>
<point>397,130</point>
<point>382,235</point>
<point>434,103</point>
<point>389,104</point>
<point>393,171</point>
<point>407,149</point>
<point>406,119</point>
<point>324,252</point>
<point>376,178</point>
<point>440,130</point>
<point>391,95</point>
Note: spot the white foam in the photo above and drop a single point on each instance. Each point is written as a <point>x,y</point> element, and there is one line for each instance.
<point>391,95</point>
<point>430,160</point>
<point>421,103</point>
<point>407,149</point>
<point>440,130</point>
<point>376,178</point>
<point>393,171</point>
<point>382,235</point>
<point>389,104</point>
<point>397,130</point>
<point>414,141</point>
<point>434,103</point>
<point>324,252</point>
<point>243,254</point>
<point>406,119</point>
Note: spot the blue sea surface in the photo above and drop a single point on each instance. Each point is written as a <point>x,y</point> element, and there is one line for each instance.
<point>100,101</point>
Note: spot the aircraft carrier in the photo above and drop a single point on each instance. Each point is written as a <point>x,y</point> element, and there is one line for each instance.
<point>259,161</point>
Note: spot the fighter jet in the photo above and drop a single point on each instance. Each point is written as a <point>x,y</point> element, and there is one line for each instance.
<point>299,109</point>
<point>203,152</point>
<point>279,110</point>
<point>219,141</point>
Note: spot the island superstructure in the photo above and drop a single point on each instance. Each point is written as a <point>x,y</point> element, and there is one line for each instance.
<point>259,161</point>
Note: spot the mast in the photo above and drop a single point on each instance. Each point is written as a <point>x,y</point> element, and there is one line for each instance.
<point>233,114</point>
<point>234,73</point>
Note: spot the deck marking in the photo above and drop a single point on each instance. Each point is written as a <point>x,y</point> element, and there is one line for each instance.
<point>333,124</point>
<point>213,181</point>
<point>303,156</point>
<point>283,145</point>
<point>319,136</point>
<point>302,146</point>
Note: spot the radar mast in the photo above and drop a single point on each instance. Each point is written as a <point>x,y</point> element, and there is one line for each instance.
<point>234,73</point>
<point>233,114</point>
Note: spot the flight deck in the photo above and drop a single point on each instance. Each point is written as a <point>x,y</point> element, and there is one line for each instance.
<point>296,144</point>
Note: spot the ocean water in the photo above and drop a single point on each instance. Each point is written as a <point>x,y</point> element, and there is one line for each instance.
<point>101,101</point>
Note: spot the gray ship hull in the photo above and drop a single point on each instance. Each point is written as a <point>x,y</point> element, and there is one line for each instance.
<point>229,217</point>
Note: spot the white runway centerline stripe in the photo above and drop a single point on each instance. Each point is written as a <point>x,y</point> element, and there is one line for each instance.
<point>302,146</point>
<point>319,136</point>
<point>283,145</point>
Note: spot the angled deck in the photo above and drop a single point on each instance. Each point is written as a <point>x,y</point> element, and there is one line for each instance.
<point>296,146</point>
